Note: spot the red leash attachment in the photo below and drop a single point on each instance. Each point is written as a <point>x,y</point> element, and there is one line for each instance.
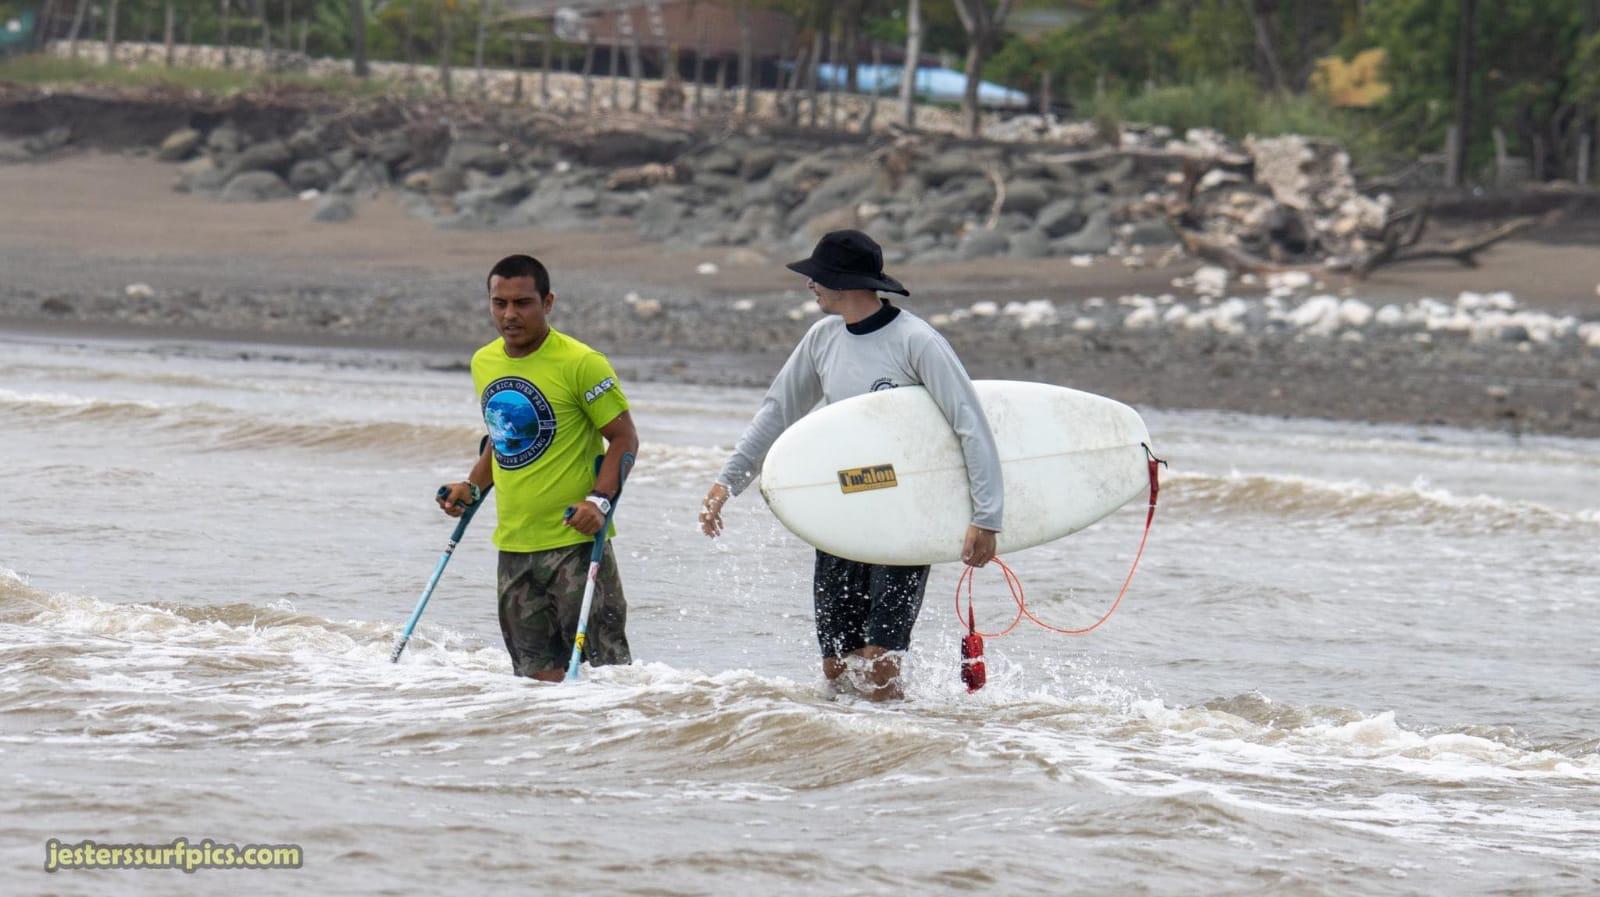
<point>973,673</point>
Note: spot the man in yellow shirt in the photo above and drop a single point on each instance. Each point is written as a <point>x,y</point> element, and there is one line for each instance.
<point>548,401</point>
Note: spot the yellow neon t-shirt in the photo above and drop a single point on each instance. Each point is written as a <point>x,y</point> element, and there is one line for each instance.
<point>544,412</point>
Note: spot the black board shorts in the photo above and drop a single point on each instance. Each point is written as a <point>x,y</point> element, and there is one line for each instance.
<point>865,604</point>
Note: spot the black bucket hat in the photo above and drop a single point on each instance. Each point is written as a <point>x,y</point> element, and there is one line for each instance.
<point>848,260</point>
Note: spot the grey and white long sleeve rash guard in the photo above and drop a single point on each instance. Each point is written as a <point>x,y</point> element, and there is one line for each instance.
<point>891,348</point>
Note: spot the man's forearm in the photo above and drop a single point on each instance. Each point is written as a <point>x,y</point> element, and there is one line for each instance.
<point>609,479</point>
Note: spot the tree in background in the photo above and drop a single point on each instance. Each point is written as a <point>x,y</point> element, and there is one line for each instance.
<point>983,24</point>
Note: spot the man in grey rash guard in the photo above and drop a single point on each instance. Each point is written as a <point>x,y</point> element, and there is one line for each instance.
<point>865,611</point>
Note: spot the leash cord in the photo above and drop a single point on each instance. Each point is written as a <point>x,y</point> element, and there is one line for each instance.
<point>1019,595</point>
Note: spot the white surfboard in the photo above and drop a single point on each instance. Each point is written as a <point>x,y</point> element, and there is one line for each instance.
<point>880,478</point>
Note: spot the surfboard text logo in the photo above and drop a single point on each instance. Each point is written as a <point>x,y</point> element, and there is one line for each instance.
<point>865,479</point>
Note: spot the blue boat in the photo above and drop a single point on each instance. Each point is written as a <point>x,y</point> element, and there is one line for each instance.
<point>940,85</point>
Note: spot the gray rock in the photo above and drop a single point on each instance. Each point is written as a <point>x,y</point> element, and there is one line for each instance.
<point>225,138</point>
<point>342,159</point>
<point>12,151</point>
<point>621,204</point>
<point>1026,197</point>
<point>364,177</point>
<point>756,223</point>
<point>273,156</point>
<point>392,148</point>
<point>491,200</point>
<point>758,163</point>
<point>620,149</point>
<point>1030,244</point>
<point>660,216</point>
<point>56,305</point>
<point>179,145</point>
<point>1513,333</point>
<point>844,188</point>
<point>310,142</point>
<point>312,174</point>
<point>48,141</point>
<point>718,162</point>
<point>1060,218</point>
<point>448,181</point>
<point>807,172</point>
<point>467,154</point>
<point>931,223</point>
<point>1151,233</point>
<point>965,198</point>
<point>922,243</point>
<point>946,167</point>
<point>255,186</point>
<point>333,207</point>
<point>982,243</point>
<point>201,175</point>
<point>1094,237</point>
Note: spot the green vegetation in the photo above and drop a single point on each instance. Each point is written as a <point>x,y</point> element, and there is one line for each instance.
<point>1237,107</point>
<point>1247,65</point>
<point>38,70</point>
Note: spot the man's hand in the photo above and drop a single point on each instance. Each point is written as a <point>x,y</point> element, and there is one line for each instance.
<point>978,549</point>
<point>456,500</point>
<point>711,510</point>
<point>585,518</point>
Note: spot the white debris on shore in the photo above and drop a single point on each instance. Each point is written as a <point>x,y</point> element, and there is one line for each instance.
<point>1476,317</point>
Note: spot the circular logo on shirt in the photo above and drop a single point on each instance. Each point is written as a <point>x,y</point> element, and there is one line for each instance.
<point>883,383</point>
<point>521,423</point>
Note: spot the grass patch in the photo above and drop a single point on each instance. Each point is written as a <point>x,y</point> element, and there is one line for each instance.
<point>1238,108</point>
<point>42,71</point>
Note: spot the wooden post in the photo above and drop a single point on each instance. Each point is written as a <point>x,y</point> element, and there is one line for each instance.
<point>227,43</point>
<point>266,31</point>
<point>544,68</point>
<point>77,26</point>
<point>635,66</point>
<point>111,33</point>
<point>516,69</point>
<point>722,82</point>
<point>871,120</point>
<point>908,75</point>
<point>447,44</point>
<point>588,74</point>
<point>1585,149</point>
<point>746,60</point>
<point>358,38</point>
<point>169,33</point>
<point>1046,102</point>
<point>616,66</point>
<point>811,76</point>
<point>407,45</point>
<point>833,81</point>
<point>699,72</point>
<point>477,46</point>
<point>1466,41</point>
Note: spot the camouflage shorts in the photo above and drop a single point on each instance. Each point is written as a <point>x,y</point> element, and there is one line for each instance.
<point>540,594</point>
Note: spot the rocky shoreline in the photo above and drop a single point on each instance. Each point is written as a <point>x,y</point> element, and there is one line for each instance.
<point>1478,362</point>
<point>926,197</point>
<point>1279,342</point>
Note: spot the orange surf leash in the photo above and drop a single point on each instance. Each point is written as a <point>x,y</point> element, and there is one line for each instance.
<point>973,673</point>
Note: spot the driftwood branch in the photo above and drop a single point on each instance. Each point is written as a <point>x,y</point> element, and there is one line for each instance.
<point>1397,248</point>
<point>999,196</point>
<point>1170,157</point>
